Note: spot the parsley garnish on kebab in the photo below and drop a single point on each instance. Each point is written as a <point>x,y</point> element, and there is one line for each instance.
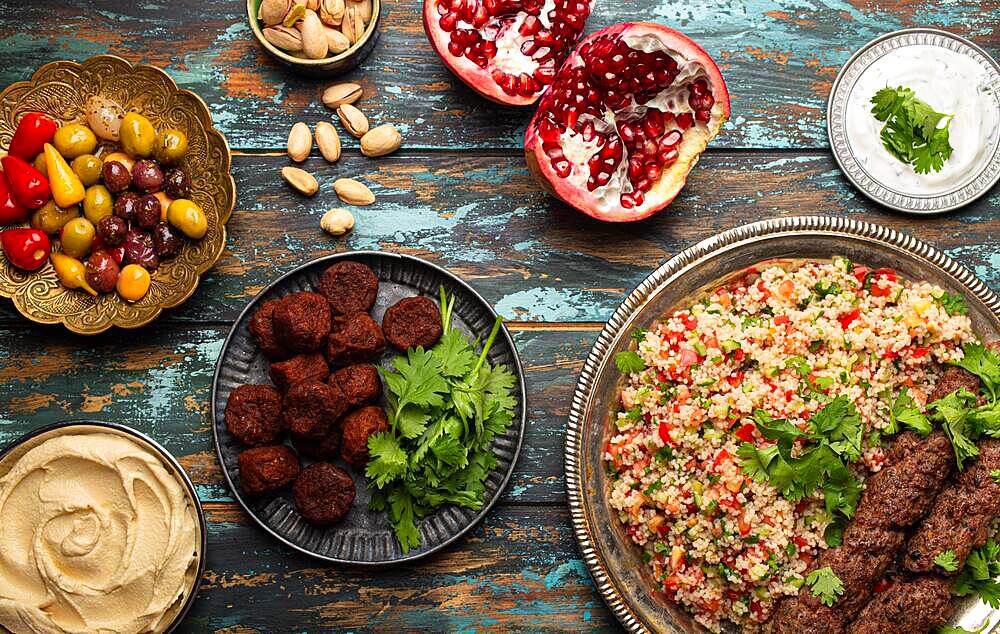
<point>832,440</point>
<point>913,132</point>
<point>979,574</point>
<point>825,585</point>
<point>446,405</point>
<point>947,560</point>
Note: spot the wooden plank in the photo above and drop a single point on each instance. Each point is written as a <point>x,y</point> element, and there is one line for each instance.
<point>484,218</point>
<point>159,382</point>
<point>779,58</point>
<point>518,571</point>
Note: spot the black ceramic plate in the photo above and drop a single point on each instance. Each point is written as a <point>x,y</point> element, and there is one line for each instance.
<point>364,537</point>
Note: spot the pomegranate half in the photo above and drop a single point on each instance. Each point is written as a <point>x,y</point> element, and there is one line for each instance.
<point>506,50</point>
<point>626,119</point>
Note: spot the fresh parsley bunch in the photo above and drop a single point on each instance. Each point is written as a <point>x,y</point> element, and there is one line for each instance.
<point>912,132</point>
<point>979,574</point>
<point>833,440</point>
<point>446,405</point>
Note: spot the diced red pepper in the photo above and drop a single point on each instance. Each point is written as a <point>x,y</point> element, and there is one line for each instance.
<point>920,352</point>
<point>849,318</point>
<point>690,322</point>
<point>744,526</point>
<point>739,355</point>
<point>664,432</point>
<point>789,395</point>
<point>860,273</point>
<point>745,432</point>
<point>781,320</point>
<point>33,131</point>
<point>688,357</point>
<point>798,539</point>
<point>736,378</point>
<point>763,289</point>
<point>879,291</point>
<point>888,274</point>
<point>720,458</point>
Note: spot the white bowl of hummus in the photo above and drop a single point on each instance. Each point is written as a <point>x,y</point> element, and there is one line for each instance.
<point>102,531</point>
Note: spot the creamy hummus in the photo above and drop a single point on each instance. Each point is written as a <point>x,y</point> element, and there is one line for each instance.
<point>96,536</point>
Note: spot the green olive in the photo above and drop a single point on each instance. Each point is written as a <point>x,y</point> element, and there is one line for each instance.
<point>171,146</point>
<point>51,218</point>
<point>137,135</point>
<point>39,164</point>
<point>73,140</point>
<point>88,168</point>
<point>76,237</point>
<point>188,217</point>
<point>98,203</point>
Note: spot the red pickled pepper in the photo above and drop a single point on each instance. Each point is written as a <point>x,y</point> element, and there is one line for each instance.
<point>30,187</point>
<point>33,131</point>
<point>11,211</point>
<point>27,249</point>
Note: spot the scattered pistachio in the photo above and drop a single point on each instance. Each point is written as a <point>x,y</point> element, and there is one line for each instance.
<point>300,142</point>
<point>337,221</point>
<point>328,141</point>
<point>339,94</point>
<point>385,139</point>
<point>300,180</point>
<point>352,192</point>
<point>354,121</point>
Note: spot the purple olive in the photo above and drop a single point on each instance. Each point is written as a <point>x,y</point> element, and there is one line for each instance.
<point>112,230</point>
<point>176,183</point>
<point>167,240</point>
<point>139,249</point>
<point>147,211</point>
<point>116,177</point>
<point>102,272</point>
<point>147,176</point>
<point>126,205</point>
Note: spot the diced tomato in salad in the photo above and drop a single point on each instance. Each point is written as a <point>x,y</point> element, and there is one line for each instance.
<point>745,432</point>
<point>849,318</point>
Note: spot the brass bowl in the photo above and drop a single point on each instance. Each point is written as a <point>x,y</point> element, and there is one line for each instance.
<point>61,90</point>
<point>328,66</point>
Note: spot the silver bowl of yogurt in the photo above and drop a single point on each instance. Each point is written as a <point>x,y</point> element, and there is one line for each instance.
<point>102,532</point>
<point>948,72</point>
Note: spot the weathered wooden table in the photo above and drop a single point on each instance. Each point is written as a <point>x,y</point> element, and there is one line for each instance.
<point>458,194</point>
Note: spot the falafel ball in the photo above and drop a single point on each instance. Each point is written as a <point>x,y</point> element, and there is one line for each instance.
<point>262,328</point>
<point>304,367</point>
<point>350,287</point>
<point>312,407</point>
<point>359,383</point>
<point>323,493</point>
<point>302,321</point>
<point>412,322</point>
<point>265,469</point>
<point>359,339</point>
<point>253,414</point>
<point>325,448</point>
<point>357,427</point>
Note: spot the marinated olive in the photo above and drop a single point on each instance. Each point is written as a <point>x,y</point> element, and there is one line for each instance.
<point>111,230</point>
<point>74,140</point>
<point>147,176</point>
<point>76,237</point>
<point>139,249</point>
<point>88,169</point>
<point>137,135</point>
<point>39,164</point>
<point>116,176</point>
<point>98,203</point>
<point>102,271</point>
<point>147,211</point>
<point>176,183</point>
<point>122,158</point>
<point>171,146</point>
<point>133,283</point>
<point>164,204</point>
<point>104,117</point>
<point>51,218</point>
<point>126,205</point>
<point>188,217</point>
<point>167,240</point>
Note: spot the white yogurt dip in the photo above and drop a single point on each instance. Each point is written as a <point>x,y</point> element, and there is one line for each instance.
<point>949,82</point>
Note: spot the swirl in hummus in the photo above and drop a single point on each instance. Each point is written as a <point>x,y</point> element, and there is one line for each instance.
<point>97,536</point>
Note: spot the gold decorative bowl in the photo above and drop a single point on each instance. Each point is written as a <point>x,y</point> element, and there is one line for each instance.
<point>61,90</point>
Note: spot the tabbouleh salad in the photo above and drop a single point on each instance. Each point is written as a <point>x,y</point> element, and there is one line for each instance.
<point>750,419</point>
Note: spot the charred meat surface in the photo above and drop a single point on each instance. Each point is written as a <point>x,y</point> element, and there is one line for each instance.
<point>304,367</point>
<point>349,287</point>
<point>253,414</point>
<point>266,469</point>
<point>412,322</point>
<point>302,321</point>
<point>911,606</point>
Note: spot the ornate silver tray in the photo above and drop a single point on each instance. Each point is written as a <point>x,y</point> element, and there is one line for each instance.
<point>611,557</point>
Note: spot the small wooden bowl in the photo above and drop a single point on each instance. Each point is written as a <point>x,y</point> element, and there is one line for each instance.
<point>328,66</point>
<point>61,89</point>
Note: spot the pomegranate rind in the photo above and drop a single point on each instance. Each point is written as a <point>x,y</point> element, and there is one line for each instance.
<point>673,178</point>
<point>476,78</point>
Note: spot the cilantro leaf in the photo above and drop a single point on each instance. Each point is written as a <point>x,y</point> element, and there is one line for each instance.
<point>776,429</point>
<point>953,413</point>
<point>840,422</point>
<point>825,584</point>
<point>904,411</point>
<point>947,560</point>
<point>401,516</point>
<point>985,364</point>
<point>913,132</point>
<point>979,574</point>
<point>388,460</point>
<point>417,380</point>
<point>454,354</point>
<point>628,362</point>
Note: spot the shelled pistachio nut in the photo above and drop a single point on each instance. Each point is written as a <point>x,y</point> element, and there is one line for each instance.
<point>328,141</point>
<point>352,192</point>
<point>354,121</point>
<point>300,180</point>
<point>337,221</point>
<point>300,142</point>
<point>339,94</point>
<point>385,139</point>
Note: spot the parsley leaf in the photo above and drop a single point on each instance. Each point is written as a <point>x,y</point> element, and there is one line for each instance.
<point>826,585</point>
<point>904,411</point>
<point>628,362</point>
<point>953,413</point>
<point>955,629</point>
<point>985,364</point>
<point>978,575</point>
<point>952,304</point>
<point>948,560</point>
<point>913,132</point>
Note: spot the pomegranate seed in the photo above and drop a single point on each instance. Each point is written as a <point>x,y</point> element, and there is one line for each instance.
<point>638,198</point>
<point>653,171</point>
<point>668,157</point>
<point>703,115</point>
<point>685,120</point>
<point>627,201</point>
<point>562,167</point>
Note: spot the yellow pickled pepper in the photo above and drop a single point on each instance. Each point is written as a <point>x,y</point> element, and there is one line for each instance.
<point>67,190</point>
<point>71,272</point>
